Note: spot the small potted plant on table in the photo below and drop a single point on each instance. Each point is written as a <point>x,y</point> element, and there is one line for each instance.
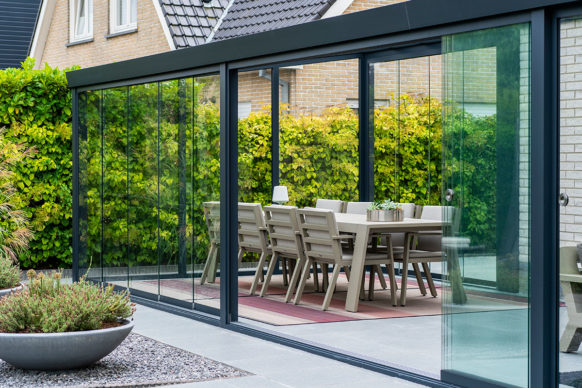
<point>386,211</point>
<point>54,326</point>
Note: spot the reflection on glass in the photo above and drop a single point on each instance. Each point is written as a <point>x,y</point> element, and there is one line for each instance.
<point>206,188</point>
<point>570,359</point>
<point>486,164</point>
<point>143,187</point>
<point>319,133</point>
<point>115,185</point>
<point>90,184</point>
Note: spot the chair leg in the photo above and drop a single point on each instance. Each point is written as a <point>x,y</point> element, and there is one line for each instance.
<point>270,270</point>
<point>429,280</point>
<point>284,270</point>
<point>294,279</point>
<point>315,276</point>
<point>302,282</point>
<point>363,286</point>
<point>347,272</point>
<point>324,274</point>
<point>214,268</point>
<point>571,339</point>
<point>258,273</point>
<point>208,264</point>
<point>331,287</point>
<point>393,285</point>
<point>381,276</point>
<point>240,257</point>
<point>373,269</point>
<point>419,279</point>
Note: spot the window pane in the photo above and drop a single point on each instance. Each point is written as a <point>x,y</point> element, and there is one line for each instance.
<point>121,12</point>
<point>143,187</point>
<point>115,185</point>
<point>81,18</point>
<point>133,10</point>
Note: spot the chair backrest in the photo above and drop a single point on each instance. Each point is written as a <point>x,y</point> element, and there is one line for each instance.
<point>319,233</point>
<point>408,209</point>
<point>252,230</point>
<point>335,205</point>
<point>357,207</point>
<point>568,258</point>
<point>212,215</point>
<point>284,230</point>
<point>431,242</point>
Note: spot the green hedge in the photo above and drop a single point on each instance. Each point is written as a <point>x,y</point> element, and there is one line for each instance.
<point>35,107</point>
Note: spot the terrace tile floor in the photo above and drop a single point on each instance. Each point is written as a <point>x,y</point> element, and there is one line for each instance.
<point>272,365</point>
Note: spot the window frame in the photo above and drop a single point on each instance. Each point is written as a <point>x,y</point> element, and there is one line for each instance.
<point>131,8</point>
<point>74,6</point>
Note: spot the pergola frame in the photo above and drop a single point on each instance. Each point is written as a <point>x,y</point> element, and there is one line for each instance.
<point>403,30</point>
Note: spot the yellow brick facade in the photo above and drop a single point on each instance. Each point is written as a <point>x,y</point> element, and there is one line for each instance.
<point>362,5</point>
<point>148,40</point>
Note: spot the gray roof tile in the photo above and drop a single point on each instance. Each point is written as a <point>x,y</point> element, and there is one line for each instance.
<point>190,21</point>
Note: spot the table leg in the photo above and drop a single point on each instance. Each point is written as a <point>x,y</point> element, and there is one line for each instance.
<point>403,286</point>
<point>353,297</point>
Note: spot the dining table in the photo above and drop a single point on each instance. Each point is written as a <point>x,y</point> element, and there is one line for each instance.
<point>358,225</point>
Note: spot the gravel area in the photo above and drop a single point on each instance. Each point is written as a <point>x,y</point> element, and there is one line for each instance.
<point>138,362</point>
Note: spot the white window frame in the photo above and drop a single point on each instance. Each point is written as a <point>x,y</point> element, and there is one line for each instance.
<point>127,24</point>
<point>74,8</point>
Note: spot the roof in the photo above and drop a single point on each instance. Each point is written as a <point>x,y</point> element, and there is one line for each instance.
<point>17,21</point>
<point>247,17</point>
<point>191,21</point>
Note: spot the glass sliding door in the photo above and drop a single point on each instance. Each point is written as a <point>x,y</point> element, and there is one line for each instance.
<point>486,187</point>
<point>570,327</point>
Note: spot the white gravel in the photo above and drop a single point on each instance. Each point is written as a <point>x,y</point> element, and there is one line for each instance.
<point>138,362</point>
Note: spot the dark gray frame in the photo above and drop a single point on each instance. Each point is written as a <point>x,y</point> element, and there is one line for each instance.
<point>360,34</point>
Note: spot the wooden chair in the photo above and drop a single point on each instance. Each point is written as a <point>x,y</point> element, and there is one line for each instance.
<point>285,244</point>
<point>212,216</point>
<point>335,205</point>
<point>322,244</point>
<point>571,281</point>
<point>253,237</point>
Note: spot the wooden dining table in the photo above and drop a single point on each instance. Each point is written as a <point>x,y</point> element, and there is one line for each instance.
<point>362,229</point>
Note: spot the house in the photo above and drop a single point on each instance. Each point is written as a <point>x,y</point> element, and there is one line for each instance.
<point>17,21</point>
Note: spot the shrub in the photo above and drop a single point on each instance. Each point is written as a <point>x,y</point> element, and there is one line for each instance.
<point>9,274</point>
<point>35,106</point>
<point>47,306</point>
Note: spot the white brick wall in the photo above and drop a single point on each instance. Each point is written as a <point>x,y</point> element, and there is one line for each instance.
<point>571,131</point>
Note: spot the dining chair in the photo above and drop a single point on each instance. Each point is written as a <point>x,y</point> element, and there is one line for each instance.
<point>253,237</point>
<point>322,243</point>
<point>286,243</point>
<point>362,208</point>
<point>335,205</point>
<point>571,282</point>
<point>212,216</point>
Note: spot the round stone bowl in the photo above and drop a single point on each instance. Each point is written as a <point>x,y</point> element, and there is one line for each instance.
<point>8,291</point>
<point>59,351</point>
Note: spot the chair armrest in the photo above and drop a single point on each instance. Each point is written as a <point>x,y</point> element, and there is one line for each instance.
<point>344,237</point>
<point>263,228</point>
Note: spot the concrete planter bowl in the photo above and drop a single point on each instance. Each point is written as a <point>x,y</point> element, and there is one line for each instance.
<point>8,291</point>
<point>59,351</point>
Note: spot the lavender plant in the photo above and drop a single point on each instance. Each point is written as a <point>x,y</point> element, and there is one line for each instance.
<point>49,306</point>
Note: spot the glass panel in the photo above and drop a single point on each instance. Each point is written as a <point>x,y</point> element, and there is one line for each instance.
<point>571,210</point>
<point>121,12</point>
<point>143,187</point>
<point>115,230</point>
<point>206,190</point>
<point>174,160</point>
<point>81,18</point>
<point>90,184</point>
<point>486,139</point>
<point>319,133</point>
<point>133,10</point>
<point>254,163</point>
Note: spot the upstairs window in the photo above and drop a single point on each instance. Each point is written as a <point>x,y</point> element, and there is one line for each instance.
<point>123,15</point>
<point>81,19</point>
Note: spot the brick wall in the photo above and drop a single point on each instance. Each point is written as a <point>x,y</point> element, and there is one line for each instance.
<point>149,39</point>
<point>571,131</point>
<point>361,5</point>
